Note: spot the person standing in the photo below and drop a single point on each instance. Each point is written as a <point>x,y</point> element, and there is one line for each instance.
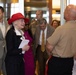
<point>32,27</point>
<point>14,58</point>
<point>41,54</point>
<point>39,15</point>
<point>28,55</point>
<point>62,45</point>
<point>3,29</point>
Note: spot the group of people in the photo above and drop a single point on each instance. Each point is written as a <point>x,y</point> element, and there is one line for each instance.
<point>40,42</point>
<point>15,60</point>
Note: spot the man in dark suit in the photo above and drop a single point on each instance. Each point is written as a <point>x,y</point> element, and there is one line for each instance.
<point>42,54</point>
<point>3,29</point>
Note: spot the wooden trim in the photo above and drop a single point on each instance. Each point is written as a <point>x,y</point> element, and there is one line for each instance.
<point>50,10</point>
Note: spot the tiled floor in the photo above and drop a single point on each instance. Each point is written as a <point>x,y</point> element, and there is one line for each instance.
<point>74,68</point>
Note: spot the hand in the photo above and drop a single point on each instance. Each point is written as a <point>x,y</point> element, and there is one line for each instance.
<point>75,57</point>
<point>26,48</point>
<point>49,48</point>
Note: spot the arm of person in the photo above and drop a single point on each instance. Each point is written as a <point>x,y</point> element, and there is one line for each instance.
<point>75,57</point>
<point>52,41</point>
<point>12,44</point>
<point>49,48</point>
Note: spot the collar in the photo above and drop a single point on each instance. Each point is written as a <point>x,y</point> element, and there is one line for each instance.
<point>19,32</point>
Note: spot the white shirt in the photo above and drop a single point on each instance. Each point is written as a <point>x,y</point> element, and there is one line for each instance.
<point>20,32</point>
<point>2,27</point>
<point>45,32</point>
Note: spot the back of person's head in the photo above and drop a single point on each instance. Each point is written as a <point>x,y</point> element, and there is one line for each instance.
<point>70,12</point>
<point>1,8</point>
<point>42,21</point>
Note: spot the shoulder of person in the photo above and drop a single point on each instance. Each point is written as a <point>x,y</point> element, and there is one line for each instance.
<point>37,27</point>
<point>50,27</point>
<point>33,22</point>
<point>11,30</point>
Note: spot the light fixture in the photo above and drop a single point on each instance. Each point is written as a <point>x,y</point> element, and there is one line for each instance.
<point>14,1</point>
<point>11,1</point>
